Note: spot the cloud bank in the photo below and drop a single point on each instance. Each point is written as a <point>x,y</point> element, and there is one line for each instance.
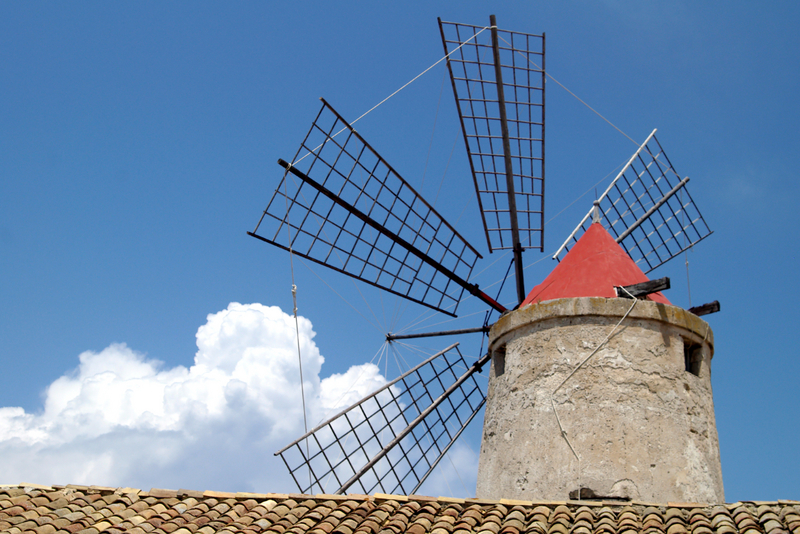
<point>122,419</point>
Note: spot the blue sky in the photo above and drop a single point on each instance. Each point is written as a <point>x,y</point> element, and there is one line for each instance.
<point>138,144</point>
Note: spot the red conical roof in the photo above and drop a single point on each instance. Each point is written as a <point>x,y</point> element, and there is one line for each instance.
<point>591,269</point>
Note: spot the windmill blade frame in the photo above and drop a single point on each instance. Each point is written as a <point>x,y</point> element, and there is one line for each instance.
<point>648,209</point>
<point>499,86</point>
<point>361,218</point>
<point>393,438</point>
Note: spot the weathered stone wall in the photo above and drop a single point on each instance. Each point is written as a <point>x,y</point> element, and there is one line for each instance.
<point>641,425</point>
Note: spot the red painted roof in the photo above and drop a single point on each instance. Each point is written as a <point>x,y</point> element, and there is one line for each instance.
<point>591,269</point>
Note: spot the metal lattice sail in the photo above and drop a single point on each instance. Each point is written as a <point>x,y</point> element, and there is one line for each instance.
<point>498,80</point>
<point>392,439</point>
<point>648,210</point>
<point>496,73</point>
<point>340,204</point>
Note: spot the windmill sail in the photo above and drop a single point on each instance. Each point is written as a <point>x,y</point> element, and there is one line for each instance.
<point>342,205</point>
<point>392,439</point>
<point>648,209</point>
<point>499,89</point>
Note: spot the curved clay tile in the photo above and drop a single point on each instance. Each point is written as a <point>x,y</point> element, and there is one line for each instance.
<point>81,510</point>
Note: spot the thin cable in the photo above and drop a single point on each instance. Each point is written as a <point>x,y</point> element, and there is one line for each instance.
<point>373,108</point>
<point>335,406</point>
<point>686,250</point>
<point>444,174</point>
<point>466,491</point>
<point>591,108</point>
<point>570,92</point>
<point>423,316</point>
<point>575,370</point>
<point>418,76</point>
<point>585,192</point>
<point>466,205</point>
<point>688,283</point>
<point>385,365</point>
<point>399,310</point>
<point>411,326</point>
<point>398,353</point>
<point>505,278</point>
<point>444,477</point>
<point>394,352</point>
<point>537,261</point>
<point>375,326</point>
<point>377,321</point>
<point>296,324</point>
<point>602,343</point>
<point>433,131</point>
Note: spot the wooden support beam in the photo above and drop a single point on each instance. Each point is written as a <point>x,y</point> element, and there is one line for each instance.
<point>705,309</point>
<point>643,289</point>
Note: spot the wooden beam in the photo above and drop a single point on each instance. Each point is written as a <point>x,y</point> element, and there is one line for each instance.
<point>643,289</point>
<point>705,309</point>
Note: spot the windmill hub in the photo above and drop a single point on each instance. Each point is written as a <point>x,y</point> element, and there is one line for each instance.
<point>635,421</point>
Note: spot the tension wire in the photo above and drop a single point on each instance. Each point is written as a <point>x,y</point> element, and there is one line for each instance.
<point>296,321</point>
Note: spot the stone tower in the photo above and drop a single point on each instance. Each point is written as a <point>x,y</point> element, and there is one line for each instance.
<point>598,394</point>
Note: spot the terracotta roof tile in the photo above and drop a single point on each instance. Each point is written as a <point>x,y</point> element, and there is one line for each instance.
<point>677,528</point>
<point>766,515</point>
<point>95,510</point>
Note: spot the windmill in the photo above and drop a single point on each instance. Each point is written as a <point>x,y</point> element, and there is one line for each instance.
<point>342,205</point>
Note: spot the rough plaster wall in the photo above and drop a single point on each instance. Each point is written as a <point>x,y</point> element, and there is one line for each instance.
<point>642,426</point>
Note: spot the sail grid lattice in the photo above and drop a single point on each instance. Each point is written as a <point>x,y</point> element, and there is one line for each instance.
<point>475,83</point>
<point>647,209</point>
<point>391,440</point>
<point>342,205</point>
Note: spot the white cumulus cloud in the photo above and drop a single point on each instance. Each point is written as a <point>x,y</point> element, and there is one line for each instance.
<point>122,419</point>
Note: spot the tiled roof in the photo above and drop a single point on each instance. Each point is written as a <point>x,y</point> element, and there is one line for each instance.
<point>591,268</point>
<point>82,510</point>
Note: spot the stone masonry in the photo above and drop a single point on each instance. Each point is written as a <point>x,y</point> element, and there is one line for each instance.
<point>638,416</point>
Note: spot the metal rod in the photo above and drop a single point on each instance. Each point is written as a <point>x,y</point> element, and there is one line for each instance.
<point>482,329</point>
<point>512,199</point>
<point>472,288</point>
<point>652,210</point>
<point>544,108</point>
<point>375,459</point>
